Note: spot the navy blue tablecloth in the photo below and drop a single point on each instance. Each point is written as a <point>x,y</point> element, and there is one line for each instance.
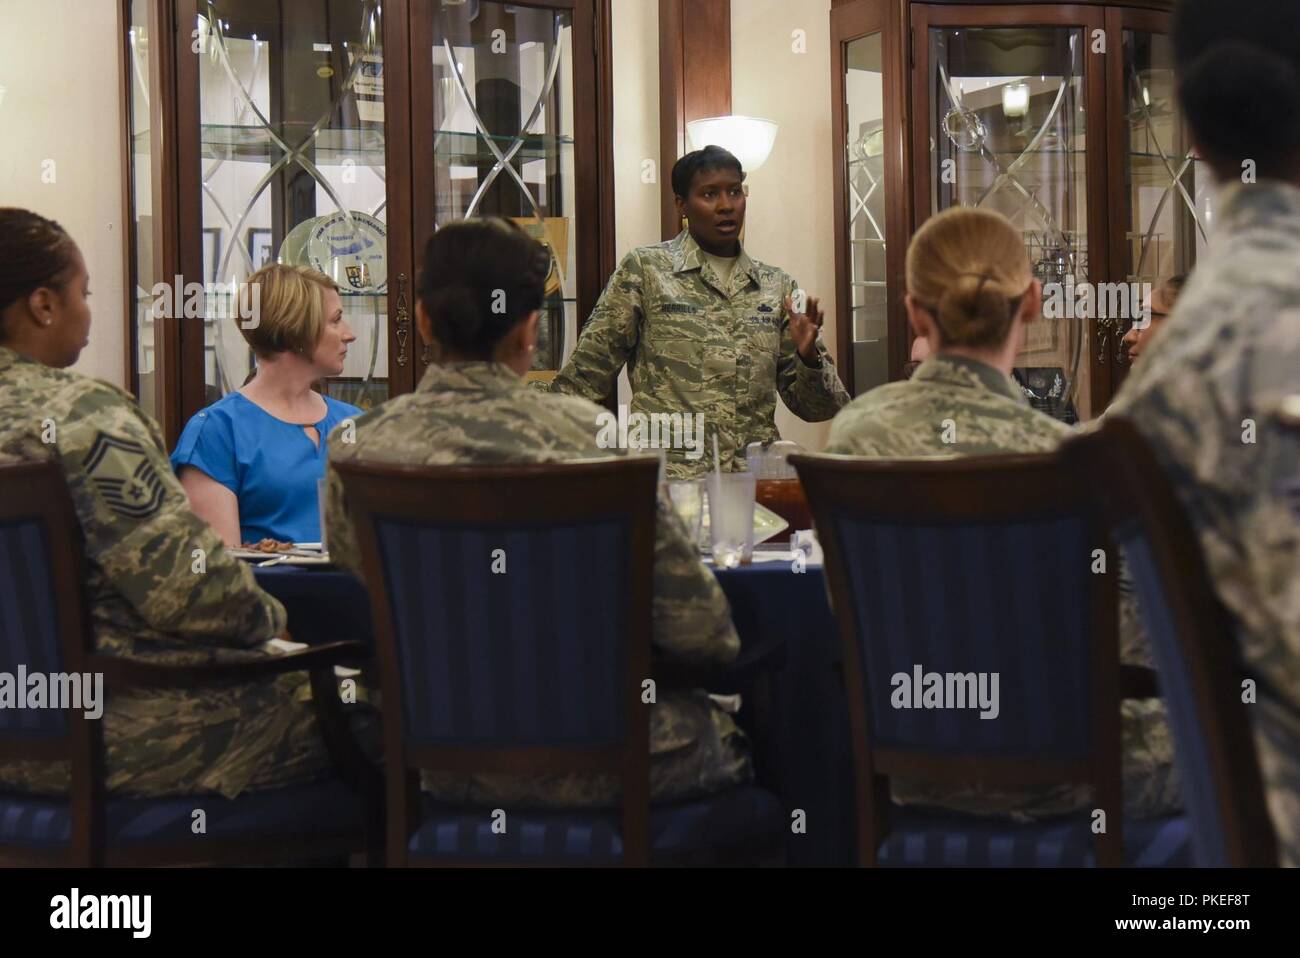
<point>794,703</point>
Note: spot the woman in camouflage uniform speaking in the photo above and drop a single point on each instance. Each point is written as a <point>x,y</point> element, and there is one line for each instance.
<point>706,331</point>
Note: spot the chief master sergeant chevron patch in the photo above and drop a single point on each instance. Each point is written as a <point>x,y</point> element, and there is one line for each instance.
<point>121,470</point>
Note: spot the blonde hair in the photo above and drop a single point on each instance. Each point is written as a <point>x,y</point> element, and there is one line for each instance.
<point>291,309</point>
<point>968,268</point>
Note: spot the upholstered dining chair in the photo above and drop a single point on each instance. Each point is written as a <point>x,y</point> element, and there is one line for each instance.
<point>45,627</point>
<point>1192,642</point>
<point>512,620</point>
<point>979,567</point>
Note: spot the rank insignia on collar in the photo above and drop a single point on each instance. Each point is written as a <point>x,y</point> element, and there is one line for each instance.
<point>121,471</point>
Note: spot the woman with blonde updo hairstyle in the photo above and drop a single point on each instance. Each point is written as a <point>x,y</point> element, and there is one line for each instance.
<point>970,295</point>
<point>970,287</point>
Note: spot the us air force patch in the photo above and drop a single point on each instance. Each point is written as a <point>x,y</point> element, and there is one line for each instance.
<point>124,476</point>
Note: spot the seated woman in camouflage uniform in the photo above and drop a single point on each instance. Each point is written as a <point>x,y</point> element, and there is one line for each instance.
<point>971,292</point>
<point>159,584</point>
<point>472,406</point>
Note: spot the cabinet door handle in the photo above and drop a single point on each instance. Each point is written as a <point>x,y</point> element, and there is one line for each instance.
<point>403,320</point>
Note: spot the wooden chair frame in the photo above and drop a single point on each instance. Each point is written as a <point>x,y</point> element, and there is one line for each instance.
<point>983,488</point>
<point>510,497</point>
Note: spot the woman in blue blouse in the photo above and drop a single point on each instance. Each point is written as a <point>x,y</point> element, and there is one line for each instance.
<point>250,461</point>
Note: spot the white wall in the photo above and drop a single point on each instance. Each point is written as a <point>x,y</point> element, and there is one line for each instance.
<point>58,65</point>
<point>791,200</point>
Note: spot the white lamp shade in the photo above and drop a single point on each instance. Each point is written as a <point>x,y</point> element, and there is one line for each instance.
<point>747,138</point>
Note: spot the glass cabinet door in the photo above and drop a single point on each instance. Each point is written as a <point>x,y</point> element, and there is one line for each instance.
<point>1007,131</point>
<point>864,179</point>
<point>292,163</point>
<point>1166,191</point>
<point>498,104</point>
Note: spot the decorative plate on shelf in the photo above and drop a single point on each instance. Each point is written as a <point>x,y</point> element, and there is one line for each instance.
<point>294,248</point>
<point>356,259</point>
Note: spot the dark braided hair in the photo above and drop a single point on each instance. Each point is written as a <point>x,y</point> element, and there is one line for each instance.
<point>479,278</point>
<point>34,252</point>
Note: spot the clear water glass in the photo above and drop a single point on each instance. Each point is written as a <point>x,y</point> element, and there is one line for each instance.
<point>731,517</point>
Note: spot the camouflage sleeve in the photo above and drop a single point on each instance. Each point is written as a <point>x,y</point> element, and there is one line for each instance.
<point>850,435</point>
<point>692,621</point>
<point>139,530</point>
<point>339,537</point>
<point>609,338</point>
<point>813,393</point>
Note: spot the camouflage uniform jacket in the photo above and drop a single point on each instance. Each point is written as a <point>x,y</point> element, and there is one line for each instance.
<point>693,346</point>
<point>984,412</point>
<point>479,412</point>
<point>1208,396</point>
<point>143,548</point>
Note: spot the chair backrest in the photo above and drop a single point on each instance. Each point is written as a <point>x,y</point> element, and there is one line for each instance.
<point>1193,644</point>
<point>512,613</point>
<point>45,628</point>
<point>948,577</point>
<point>42,618</point>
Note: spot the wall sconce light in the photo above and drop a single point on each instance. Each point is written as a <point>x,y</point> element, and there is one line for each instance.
<point>1015,100</point>
<point>748,138</point>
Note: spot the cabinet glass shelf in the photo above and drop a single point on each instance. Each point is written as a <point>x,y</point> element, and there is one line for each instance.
<point>365,147</point>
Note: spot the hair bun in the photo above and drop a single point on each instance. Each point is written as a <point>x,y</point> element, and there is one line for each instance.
<point>972,306</point>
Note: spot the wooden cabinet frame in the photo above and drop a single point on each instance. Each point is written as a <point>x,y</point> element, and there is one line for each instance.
<point>903,26</point>
<point>176,190</point>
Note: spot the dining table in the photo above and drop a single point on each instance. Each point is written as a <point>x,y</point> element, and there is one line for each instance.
<point>788,676</point>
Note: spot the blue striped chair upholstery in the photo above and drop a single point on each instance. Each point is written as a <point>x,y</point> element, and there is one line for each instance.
<point>950,589</point>
<point>1195,770</point>
<point>521,659</point>
<point>725,824</point>
<point>29,624</point>
<point>949,840</point>
<point>939,596</point>
<point>305,812</point>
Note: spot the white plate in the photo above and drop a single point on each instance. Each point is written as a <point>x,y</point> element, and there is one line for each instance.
<point>293,251</point>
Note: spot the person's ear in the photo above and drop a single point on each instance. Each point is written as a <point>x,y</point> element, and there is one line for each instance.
<point>42,305</point>
<point>681,207</point>
<point>423,325</point>
<point>1031,303</point>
